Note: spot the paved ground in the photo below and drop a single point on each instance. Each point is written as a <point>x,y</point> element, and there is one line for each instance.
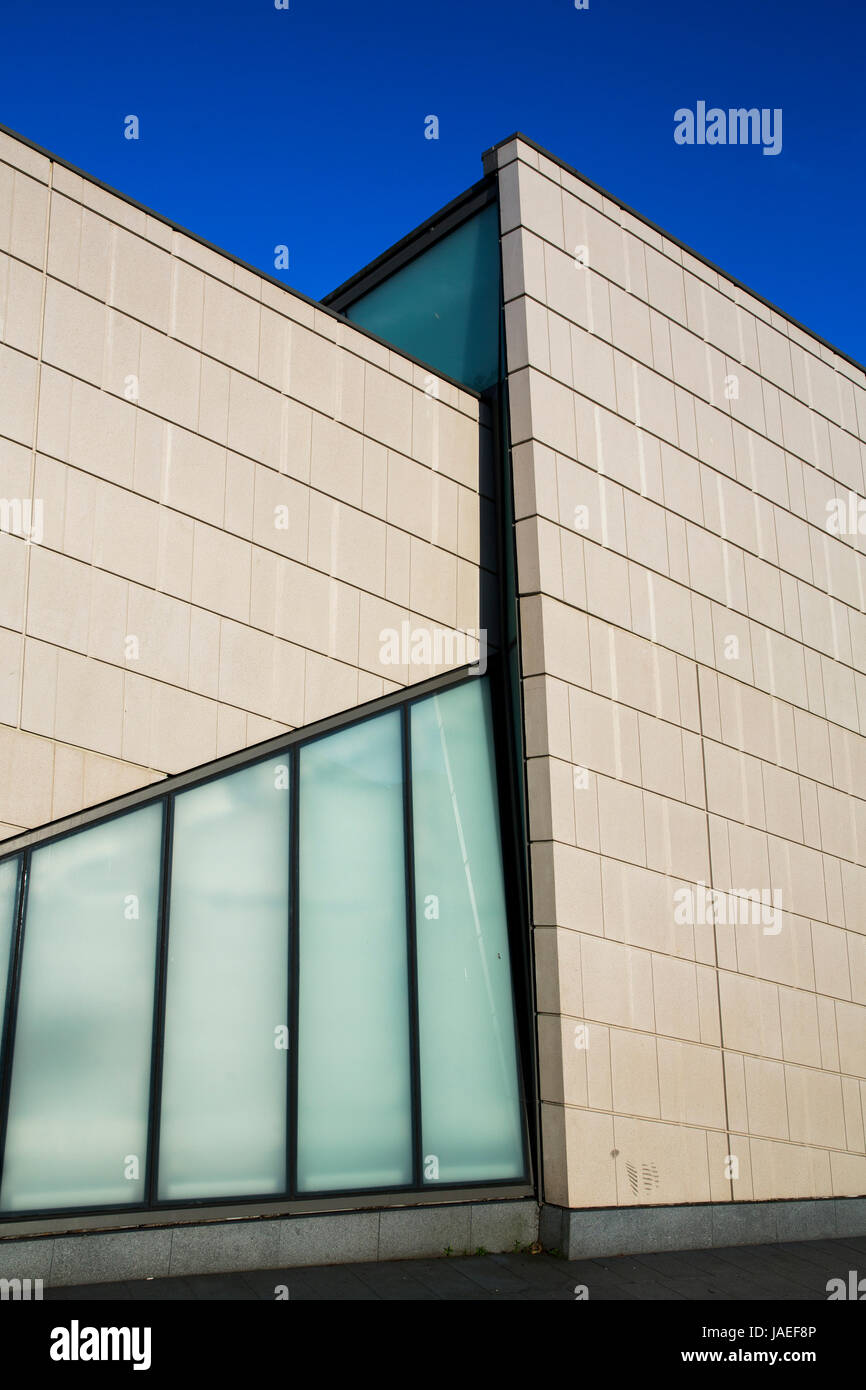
<point>793,1271</point>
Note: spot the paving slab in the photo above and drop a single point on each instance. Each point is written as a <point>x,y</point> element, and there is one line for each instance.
<point>791,1271</point>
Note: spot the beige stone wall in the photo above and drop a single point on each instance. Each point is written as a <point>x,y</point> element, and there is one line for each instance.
<point>169,612</point>
<point>696,641</point>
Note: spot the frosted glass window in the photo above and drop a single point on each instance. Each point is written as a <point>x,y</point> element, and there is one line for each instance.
<point>470,1106</point>
<point>223,1117</point>
<point>354,1092</point>
<point>78,1112</point>
<point>8,902</point>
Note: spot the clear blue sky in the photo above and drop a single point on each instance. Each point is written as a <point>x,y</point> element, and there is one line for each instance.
<point>306,127</point>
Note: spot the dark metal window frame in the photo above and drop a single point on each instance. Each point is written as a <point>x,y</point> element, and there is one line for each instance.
<point>287,745</point>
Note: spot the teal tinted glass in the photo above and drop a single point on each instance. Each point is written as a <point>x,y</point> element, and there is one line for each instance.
<point>443,306</point>
<point>78,1109</point>
<point>470,1102</point>
<point>8,903</point>
<point>223,1114</point>
<point>354,1093</point>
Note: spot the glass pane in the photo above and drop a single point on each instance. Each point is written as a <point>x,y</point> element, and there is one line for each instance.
<point>8,903</point>
<point>78,1113</point>
<point>471,1118</point>
<point>223,1119</point>
<point>443,307</point>
<point>354,1093</point>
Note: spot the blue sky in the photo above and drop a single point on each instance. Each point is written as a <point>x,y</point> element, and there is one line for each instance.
<point>305,126</point>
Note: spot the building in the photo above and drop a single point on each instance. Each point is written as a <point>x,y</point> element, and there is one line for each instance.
<point>432,743</point>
